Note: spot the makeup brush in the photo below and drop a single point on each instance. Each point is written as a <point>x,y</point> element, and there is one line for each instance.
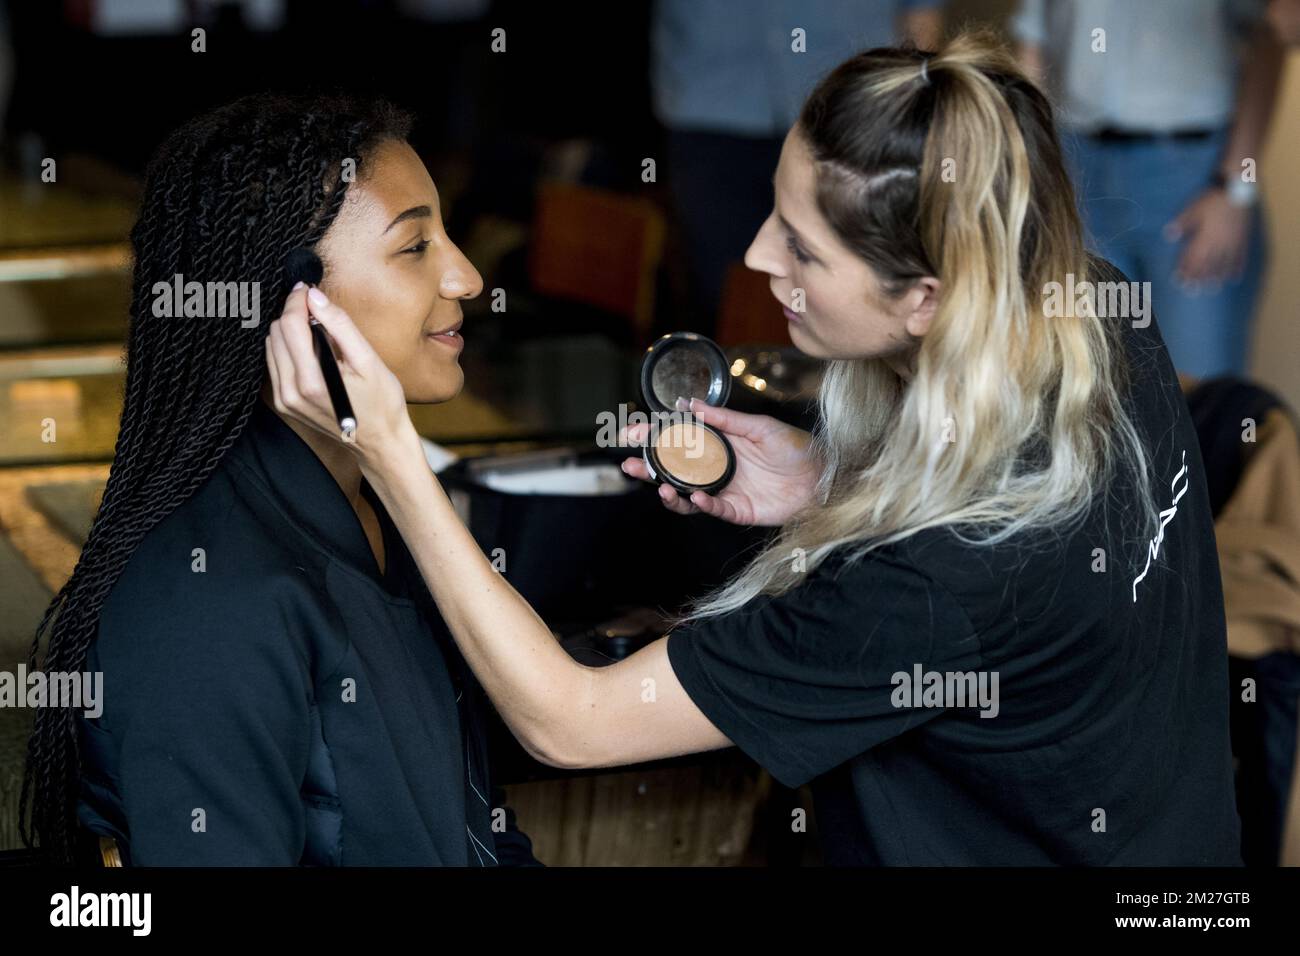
<point>303,265</point>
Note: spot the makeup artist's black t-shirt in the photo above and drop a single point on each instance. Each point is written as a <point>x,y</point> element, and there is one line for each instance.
<point>1106,742</point>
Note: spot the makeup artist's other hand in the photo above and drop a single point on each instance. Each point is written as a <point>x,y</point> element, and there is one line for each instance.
<point>376,395</point>
<point>776,470</point>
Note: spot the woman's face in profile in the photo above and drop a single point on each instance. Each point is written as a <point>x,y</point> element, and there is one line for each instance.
<point>845,312</point>
<point>390,265</point>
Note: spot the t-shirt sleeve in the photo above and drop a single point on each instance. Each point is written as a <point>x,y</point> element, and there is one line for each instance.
<point>207,698</point>
<point>806,680</point>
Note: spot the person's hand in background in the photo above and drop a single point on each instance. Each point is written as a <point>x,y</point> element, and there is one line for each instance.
<point>776,469</point>
<point>1216,235</point>
<point>1215,227</point>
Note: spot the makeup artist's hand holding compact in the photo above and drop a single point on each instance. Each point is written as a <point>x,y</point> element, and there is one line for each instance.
<point>376,399</point>
<point>776,471</point>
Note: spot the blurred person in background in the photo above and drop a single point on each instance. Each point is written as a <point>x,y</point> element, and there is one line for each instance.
<point>728,86</point>
<point>1161,105</point>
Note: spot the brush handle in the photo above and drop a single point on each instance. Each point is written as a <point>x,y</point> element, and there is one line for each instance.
<point>334,383</point>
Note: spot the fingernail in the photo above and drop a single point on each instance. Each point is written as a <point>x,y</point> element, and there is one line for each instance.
<point>682,404</point>
<point>318,297</point>
<point>298,285</point>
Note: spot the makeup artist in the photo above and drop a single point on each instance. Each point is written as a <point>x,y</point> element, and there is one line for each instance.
<point>999,498</point>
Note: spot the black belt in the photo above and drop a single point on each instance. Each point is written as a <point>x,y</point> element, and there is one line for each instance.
<point>1113,134</point>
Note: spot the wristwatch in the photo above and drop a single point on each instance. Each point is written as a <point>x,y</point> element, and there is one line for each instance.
<point>1239,192</point>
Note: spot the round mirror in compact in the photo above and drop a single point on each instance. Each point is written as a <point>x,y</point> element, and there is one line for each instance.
<point>683,451</point>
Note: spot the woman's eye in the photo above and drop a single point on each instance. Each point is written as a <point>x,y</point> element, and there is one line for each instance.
<point>418,248</point>
<point>795,250</point>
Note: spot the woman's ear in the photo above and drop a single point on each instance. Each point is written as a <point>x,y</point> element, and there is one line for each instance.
<point>920,303</point>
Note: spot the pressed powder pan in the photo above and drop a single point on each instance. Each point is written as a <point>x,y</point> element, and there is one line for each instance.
<point>683,451</point>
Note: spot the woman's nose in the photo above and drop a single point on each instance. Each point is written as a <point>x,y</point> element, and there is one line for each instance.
<point>461,282</point>
<point>761,255</point>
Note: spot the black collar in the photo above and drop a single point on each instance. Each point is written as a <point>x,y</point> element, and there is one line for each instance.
<point>310,497</point>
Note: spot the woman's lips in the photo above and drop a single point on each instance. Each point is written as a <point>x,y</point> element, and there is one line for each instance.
<point>450,337</point>
<point>790,314</point>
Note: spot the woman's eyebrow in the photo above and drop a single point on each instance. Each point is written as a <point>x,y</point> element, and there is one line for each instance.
<point>415,212</point>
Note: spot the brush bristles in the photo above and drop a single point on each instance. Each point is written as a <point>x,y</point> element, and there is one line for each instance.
<point>303,265</point>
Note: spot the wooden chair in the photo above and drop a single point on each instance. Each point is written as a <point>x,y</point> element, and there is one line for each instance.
<point>599,248</point>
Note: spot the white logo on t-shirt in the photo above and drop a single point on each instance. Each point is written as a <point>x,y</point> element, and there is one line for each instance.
<point>1166,516</point>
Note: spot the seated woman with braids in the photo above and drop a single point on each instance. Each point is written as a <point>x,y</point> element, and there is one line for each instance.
<point>279,688</point>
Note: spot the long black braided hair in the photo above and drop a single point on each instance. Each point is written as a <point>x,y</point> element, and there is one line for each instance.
<point>227,196</point>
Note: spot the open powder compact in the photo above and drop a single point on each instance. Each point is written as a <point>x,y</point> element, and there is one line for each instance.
<point>683,451</point>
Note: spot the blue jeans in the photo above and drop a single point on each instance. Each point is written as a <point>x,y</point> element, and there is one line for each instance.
<point>1127,193</point>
